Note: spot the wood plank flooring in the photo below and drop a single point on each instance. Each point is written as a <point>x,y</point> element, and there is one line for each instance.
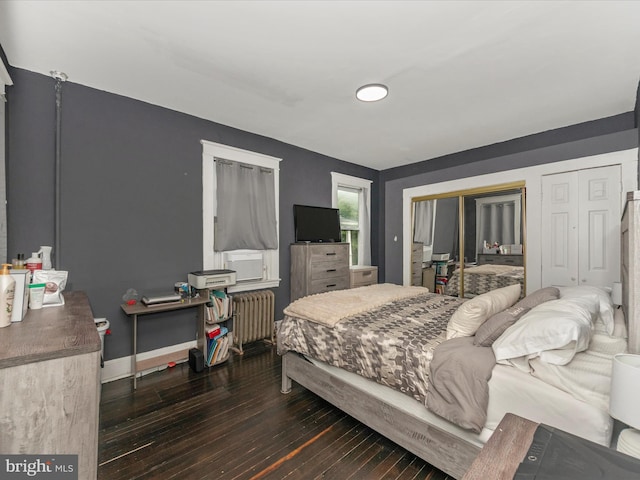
<point>232,422</point>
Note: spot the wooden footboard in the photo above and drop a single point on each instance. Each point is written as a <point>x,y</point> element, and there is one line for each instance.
<point>441,449</point>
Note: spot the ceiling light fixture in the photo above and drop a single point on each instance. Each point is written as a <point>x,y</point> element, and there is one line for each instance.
<point>372,92</point>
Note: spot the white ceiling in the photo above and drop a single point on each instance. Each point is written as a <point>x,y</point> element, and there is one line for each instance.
<point>461,74</point>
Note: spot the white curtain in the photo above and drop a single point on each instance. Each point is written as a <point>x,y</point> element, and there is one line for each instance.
<point>498,222</point>
<point>364,243</point>
<point>424,216</point>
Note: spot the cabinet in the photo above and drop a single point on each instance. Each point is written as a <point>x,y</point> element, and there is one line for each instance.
<point>50,377</point>
<point>416,263</point>
<point>580,228</point>
<point>362,276</point>
<point>318,267</point>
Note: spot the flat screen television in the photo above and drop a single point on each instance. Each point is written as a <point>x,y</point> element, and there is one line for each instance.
<point>316,224</point>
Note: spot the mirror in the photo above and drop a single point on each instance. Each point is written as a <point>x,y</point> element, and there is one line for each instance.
<point>487,224</point>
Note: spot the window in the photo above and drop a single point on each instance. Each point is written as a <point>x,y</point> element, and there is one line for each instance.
<point>352,195</point>
<point>256,267</point>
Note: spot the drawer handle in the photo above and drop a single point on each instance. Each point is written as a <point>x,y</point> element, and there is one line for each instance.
<point>331,285</point>
<point>331,270</point>
<point>366,274</point>
<point>330,253</point>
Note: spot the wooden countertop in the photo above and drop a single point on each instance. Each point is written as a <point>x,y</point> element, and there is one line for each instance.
<point>52,332</point>
<point>501,456</point>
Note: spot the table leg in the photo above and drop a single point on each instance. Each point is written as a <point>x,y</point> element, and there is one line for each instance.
<point>135,351</point>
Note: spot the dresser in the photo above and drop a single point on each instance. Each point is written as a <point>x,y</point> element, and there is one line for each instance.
<point>499,259</point>
<point>50,377</point>
<point>362,275</point>
<point>318,267</point>
<point>416,263</point>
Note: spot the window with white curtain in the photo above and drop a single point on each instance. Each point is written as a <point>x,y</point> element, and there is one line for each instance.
<point>240,212</point>
<point>424,226</point>
<point>498,220</point>
<point>352,195</point>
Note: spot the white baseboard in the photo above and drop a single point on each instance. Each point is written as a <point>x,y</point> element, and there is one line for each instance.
<point>121,367</point>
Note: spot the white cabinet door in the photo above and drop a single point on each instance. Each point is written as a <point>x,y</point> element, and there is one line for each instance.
<point>581,212</point>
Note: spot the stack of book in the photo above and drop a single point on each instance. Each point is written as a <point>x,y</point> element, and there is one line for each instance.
<point>217,344</point>
<point>219,307</point>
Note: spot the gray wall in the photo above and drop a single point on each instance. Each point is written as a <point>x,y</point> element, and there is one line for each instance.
<point>591,138</point>
<point>132,196</point>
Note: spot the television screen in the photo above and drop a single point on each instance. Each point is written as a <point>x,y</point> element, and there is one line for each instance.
<point>316,224</point>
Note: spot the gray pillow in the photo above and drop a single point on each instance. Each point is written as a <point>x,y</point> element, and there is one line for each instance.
<point>496,325</point>
<point>538,297</point>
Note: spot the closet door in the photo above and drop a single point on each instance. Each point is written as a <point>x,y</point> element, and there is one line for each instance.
<point>581,212</point>
<point>559,229</point>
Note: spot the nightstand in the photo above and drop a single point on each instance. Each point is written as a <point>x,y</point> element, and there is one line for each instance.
<point>362,275</point>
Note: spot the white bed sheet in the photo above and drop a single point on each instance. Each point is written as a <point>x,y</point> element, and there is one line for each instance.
<point>510,390</point>
<point>514,391</point>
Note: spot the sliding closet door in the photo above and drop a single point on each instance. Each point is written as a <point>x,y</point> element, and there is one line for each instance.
<point>581,213</point>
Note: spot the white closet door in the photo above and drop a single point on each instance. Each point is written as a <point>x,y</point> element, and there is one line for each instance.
<point>559,229</point>
<point>599,228</point>
<point>581,220</point>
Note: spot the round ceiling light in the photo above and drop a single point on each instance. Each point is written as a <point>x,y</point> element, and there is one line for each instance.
<point>372,92</point>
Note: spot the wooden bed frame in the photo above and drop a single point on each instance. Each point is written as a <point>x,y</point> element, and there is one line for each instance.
<point>442,449</point>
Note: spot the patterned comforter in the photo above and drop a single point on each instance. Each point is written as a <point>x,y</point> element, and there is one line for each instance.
<point>484,278</point>
<point>392,344</point>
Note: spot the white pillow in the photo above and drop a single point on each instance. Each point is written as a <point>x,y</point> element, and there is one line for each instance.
<point>602,298</point>
<point>555,331</point>
<point>474,312</point>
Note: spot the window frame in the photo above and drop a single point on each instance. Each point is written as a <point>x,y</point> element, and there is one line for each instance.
<point>364,233</point>
<point>212,260</point>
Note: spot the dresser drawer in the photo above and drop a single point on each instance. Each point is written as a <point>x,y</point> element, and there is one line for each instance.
<point>324,270</point>
<point>498,259</point>
<point>327,252</point>
<point>329,284</point>
<point>361,276</point>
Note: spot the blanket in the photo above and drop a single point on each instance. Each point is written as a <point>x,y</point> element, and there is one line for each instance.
<point>459,382</point>
<point>330,308</point>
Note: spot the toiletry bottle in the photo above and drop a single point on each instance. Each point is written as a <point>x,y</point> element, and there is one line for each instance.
<point>18,262</point>
<point>7,292</point>
<point>34,263</point>
<point>45,254</point>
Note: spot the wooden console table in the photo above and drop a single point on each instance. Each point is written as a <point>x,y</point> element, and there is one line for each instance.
<point>50,384</point>
<point>140,309</point>
<point>501,456</point>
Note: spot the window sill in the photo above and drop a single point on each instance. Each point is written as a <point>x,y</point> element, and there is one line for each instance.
<point>258,285</point>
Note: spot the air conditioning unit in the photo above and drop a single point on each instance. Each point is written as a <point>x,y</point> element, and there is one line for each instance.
<point>248,266</point>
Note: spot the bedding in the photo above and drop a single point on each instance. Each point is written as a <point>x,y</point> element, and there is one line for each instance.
<point>391,344</point>
<point>402,344</point>
<point>484,278</point>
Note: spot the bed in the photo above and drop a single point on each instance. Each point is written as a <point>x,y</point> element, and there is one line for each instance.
<point>402,416</point>
<point>484,278</point>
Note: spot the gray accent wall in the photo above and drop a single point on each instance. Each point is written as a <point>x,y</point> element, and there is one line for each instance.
<point>131,192</point>
<point>131,188</point>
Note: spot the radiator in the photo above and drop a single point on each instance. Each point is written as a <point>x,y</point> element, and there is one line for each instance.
<point>254,317</point>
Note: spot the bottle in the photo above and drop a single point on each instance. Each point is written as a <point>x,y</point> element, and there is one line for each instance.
<point>34,263</point>
<point>45,254</point>
<point>18,262</point>
<point>7,292</point>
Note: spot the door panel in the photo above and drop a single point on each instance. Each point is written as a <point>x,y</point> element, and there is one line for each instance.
<point>582,215</point>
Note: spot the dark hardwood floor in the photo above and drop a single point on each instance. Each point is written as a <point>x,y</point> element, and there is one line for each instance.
<point>232,422</point>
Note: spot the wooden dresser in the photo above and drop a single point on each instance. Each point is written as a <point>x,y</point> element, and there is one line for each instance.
<point>50,381</point>
<point>416,263</point>
<point>498,259</point>
<point>318,267</point>
<point>362,275</point>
